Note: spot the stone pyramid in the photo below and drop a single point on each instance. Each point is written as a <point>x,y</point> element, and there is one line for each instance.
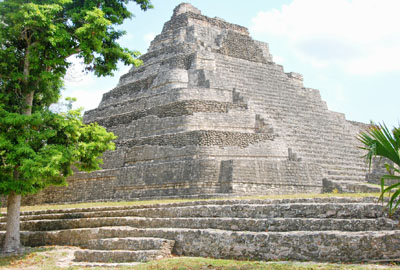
<point>209,113</point>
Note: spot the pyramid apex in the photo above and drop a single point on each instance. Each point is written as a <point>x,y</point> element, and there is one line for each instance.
<point>184,8</point>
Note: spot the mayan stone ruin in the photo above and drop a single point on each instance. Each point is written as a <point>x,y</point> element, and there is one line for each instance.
<point>209,113</point>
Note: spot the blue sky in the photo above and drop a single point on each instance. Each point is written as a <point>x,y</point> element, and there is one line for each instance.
<point>348,50</point>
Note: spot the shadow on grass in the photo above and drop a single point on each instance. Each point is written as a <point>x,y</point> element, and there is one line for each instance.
<point>29,253</point>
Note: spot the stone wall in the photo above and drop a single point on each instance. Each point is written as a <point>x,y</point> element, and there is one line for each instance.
<point>377,170</point>
<point>275,177</point>
<point>209,112</point>
<point>330,229</point>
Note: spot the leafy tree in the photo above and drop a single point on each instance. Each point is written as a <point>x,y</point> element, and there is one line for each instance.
<point>379,141</point>
<point>38,147</point>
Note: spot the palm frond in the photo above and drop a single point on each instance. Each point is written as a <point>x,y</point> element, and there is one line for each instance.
<point>379,141</point>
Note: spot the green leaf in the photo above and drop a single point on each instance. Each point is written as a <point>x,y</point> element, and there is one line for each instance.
<point>379,141</point>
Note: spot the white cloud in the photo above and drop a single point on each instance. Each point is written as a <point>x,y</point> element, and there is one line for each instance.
<point>121,71</point>
<point>87,99</point>
<point>86,87</point>
<point>126,40</point>
<point>340,94</point>
<point>278,59</point>
<point>149,38</point>
<point>360,36</point>
<point>76,76</point>
<point>386,59</point>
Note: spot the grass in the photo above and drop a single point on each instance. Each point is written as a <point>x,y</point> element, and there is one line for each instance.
<point>216,264</point>
<point>33,258</point>
<point>46,259</point>
<point>132,203</point>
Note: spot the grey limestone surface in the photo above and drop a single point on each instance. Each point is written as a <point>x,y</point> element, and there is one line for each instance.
<point>209,113</point>
<point>334,229</point>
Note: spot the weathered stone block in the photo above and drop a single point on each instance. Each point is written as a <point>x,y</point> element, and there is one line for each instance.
<point>209,112</point>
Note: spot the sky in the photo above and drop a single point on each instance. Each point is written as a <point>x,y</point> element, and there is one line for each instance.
<point>348,50</point>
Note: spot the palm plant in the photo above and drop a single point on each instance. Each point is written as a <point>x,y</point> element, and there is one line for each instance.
<point>379,141</point>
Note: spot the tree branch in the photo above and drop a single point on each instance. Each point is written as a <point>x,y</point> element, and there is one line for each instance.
<point>29,96</point>
<point>75,51</point>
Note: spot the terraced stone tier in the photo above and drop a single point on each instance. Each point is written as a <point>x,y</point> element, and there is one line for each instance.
<point>202,138</point>
<point>233,224</point>
<point>126,249</point>
<point>117,256</point>
<point>300,210</point>
<point>185,107</point>
<point>349,187</point>
<point>343,214</point>
<point>109,265</point>
<point>320,229</point>
<point>167,208</point>
<point>210,113</point>
<point>230,201</point>
<point>333,246</point>
<point>131,243</point>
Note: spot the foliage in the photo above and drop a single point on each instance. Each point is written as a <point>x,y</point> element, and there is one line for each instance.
<point>37,37</point>
<point>379,141</point>
<point>38,147</point>
<point>44,145</point>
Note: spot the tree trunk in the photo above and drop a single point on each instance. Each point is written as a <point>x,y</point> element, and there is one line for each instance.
<point>12,243</point>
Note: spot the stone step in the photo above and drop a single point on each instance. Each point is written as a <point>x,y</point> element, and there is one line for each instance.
<point>200,138</point>
<point>104,264</point>
<point>174,109</point>
<point>132,243</point>
<point>233,224</point>
<point>304,210</point>
<point>332,151</point>
<point>319,246</point>
<point>155,98</point>
<point>230,201</point>
<point>334,161</point>
<point>328,246</point>
<point>329,128</point>
<point>342,186</point>
<point>117,256</point>
<point>309,147</point>
<point>300,210</point>
<point>352,178</point>
<point>343,174</point>
<point>351,169</point>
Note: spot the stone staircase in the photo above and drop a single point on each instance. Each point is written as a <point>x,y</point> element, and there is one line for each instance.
<point>127,249</point>
<point>316,134</point>
<point>336,229</point>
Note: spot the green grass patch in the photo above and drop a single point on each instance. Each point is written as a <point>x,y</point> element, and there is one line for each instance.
<point>45,258</point>
<point>32,258</point>
<point>184,263</point>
